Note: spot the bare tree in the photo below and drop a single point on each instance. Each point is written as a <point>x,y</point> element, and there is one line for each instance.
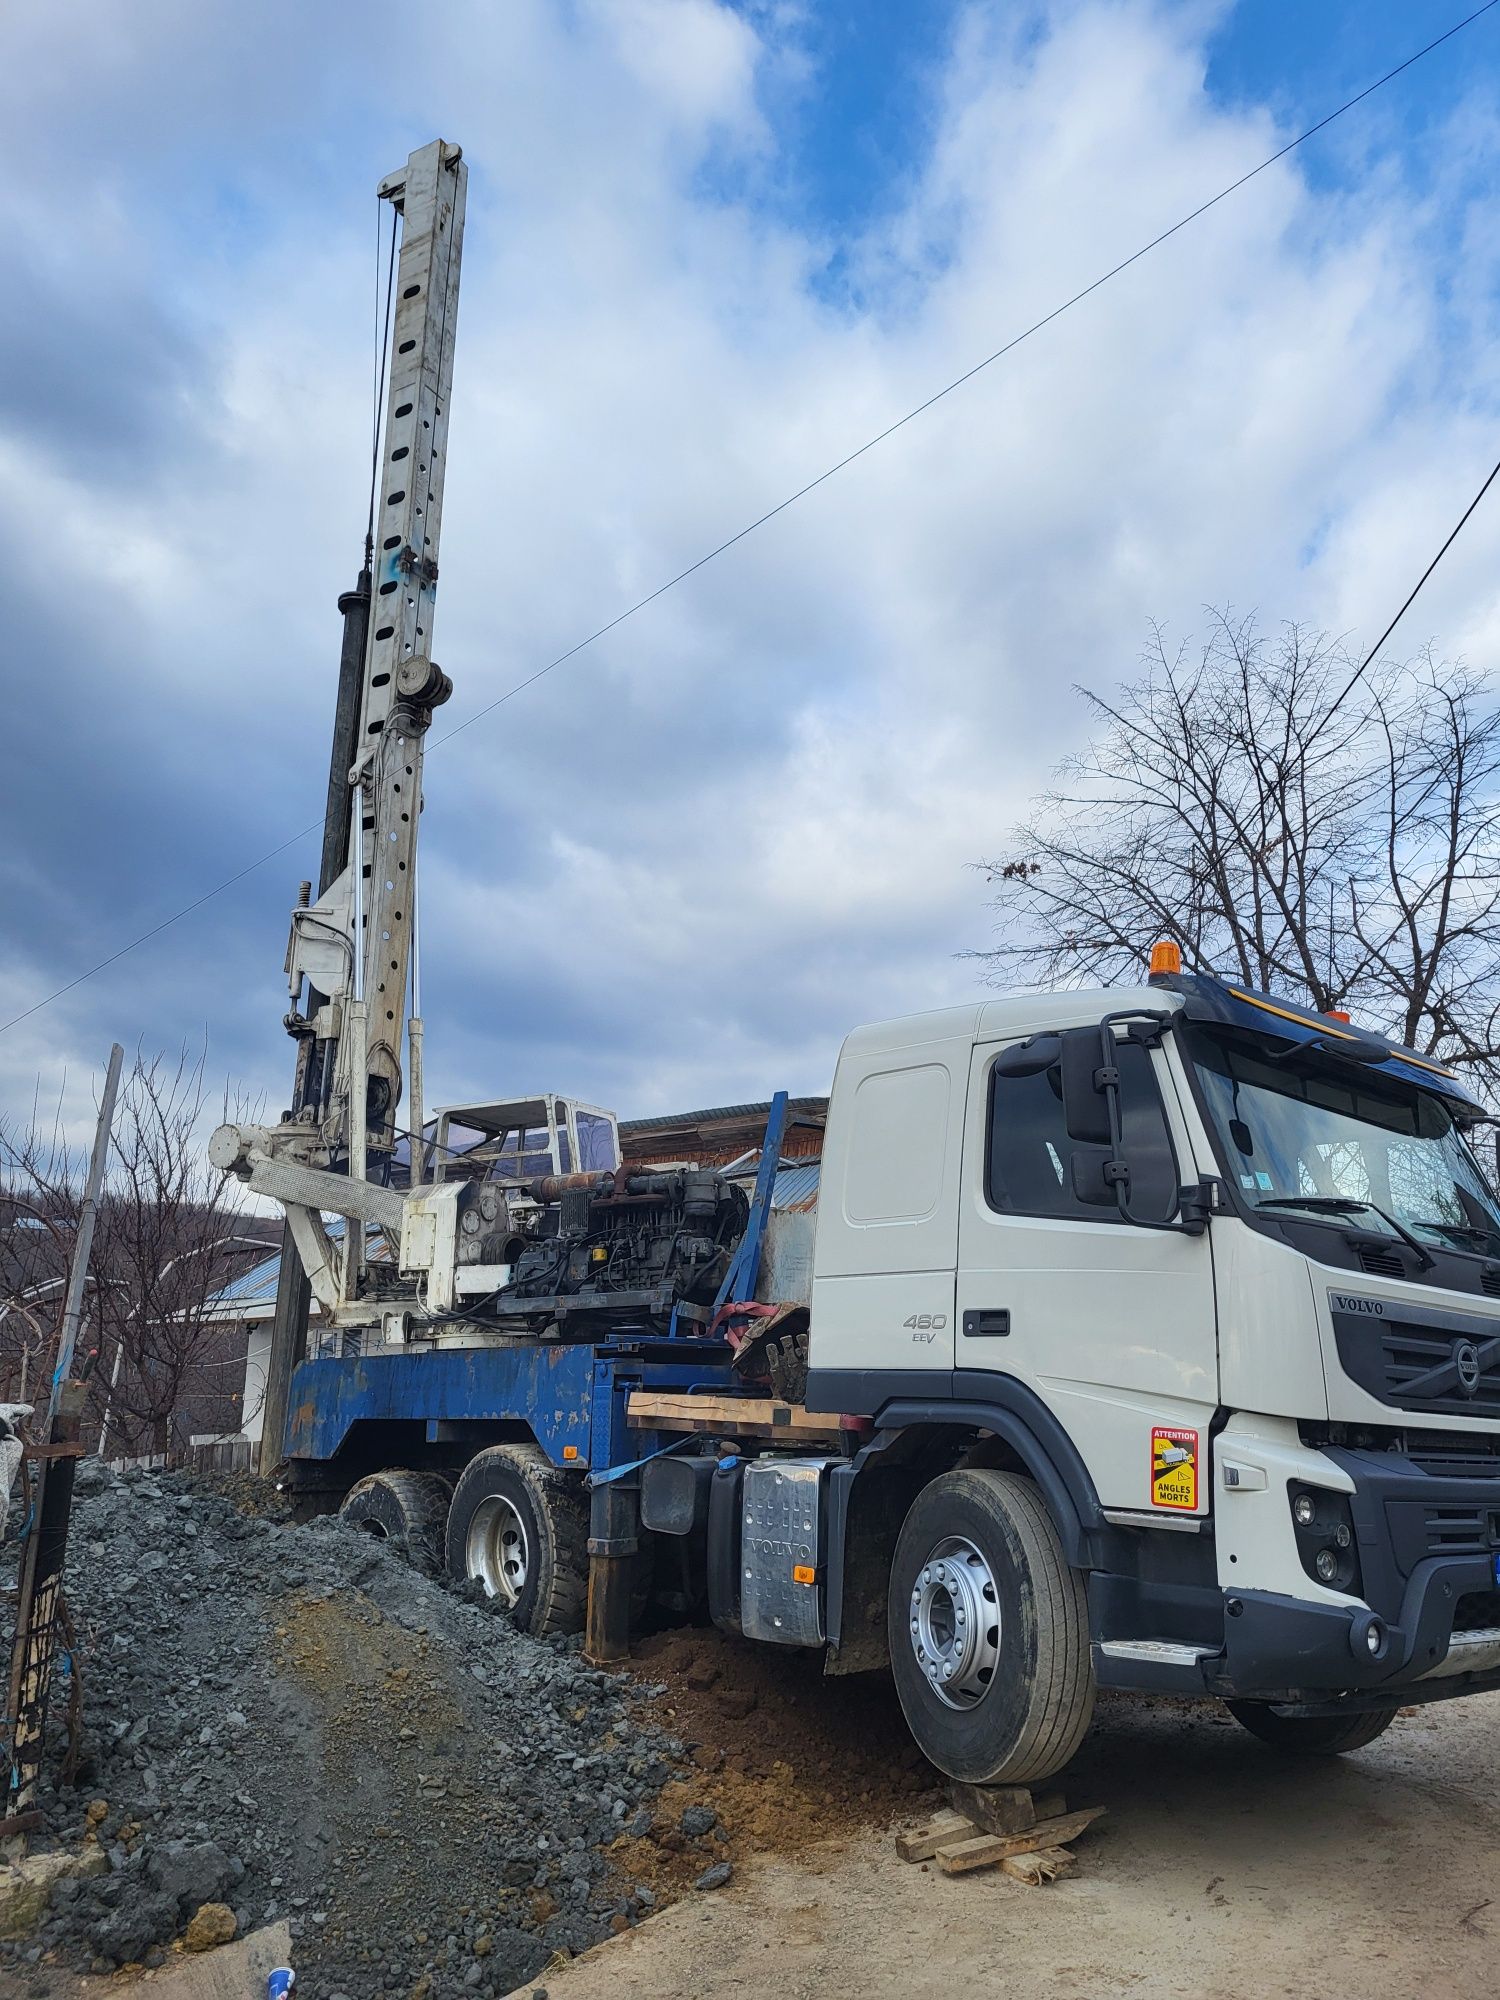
<point>1335,843</point>
<point>170,1234</point>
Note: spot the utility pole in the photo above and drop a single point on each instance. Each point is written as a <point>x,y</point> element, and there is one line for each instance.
<point>55,1457</point>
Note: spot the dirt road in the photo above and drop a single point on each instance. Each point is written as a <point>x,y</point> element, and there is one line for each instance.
<point>1221,1869</point>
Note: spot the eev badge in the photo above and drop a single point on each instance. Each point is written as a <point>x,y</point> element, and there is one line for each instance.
<point>1174,1469</point>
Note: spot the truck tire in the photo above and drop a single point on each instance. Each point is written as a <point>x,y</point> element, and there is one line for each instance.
<point>520,1528</point>
<point>989,1631</point>
<point>1312,1735</point>
<point>407,1509</point>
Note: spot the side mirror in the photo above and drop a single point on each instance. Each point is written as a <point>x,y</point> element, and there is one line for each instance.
<point>1029,1058</point>
<point>1085,1107</point>
<point>1096,1176</point>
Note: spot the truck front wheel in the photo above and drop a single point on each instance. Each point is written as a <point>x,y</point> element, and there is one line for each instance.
<point>520,1528</point>
<point>989,1631</point>
<point>1312,1735</point>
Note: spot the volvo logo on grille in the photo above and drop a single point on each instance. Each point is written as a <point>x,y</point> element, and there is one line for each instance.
<point>1352,1302</point>
<point>1466,1361</point>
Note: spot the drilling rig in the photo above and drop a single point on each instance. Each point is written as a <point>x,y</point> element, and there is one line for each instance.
<point>506,1227</point>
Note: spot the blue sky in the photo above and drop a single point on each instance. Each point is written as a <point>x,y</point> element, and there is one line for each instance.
<point>710,249</point>
<point>856,119</point>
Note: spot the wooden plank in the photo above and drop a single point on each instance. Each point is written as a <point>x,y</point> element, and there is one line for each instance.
<point>984,1852</point>
<point>995,1808</point>
<point>938,1832</point>
<point>1044,1864</point>
<point>1068,1826</point>
<point>1051,1805</point>
<point>756,1433</point>
<point>764,1416</point>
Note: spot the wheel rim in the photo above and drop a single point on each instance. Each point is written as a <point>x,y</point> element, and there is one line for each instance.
<point>497,1552</point>
<point>954,1622</point>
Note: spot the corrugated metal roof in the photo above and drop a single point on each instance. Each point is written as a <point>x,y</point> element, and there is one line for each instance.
<point>797,1187</point>
<point>251,1288</point>
<point>252,1295</point>
<point>796,1183</point>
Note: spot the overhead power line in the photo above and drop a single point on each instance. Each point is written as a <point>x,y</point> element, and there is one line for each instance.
<point>1364,666</point>
<point>821,479</point>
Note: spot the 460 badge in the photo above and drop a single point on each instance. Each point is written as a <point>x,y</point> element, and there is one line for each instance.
<point>925,1326</point>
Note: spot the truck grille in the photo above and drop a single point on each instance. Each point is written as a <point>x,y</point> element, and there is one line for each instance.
<point>1419,1357</point>
<point>1459,1531</point>
<point>1423,1370</point>
<point>1454,1455</point>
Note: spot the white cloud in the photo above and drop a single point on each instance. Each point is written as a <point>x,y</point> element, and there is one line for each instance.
<point>679,867</point>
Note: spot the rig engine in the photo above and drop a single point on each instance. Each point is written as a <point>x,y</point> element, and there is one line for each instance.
<point>607,1254</point>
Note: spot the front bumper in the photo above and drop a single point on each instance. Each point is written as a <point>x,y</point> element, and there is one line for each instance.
<point>1428,1554</point>
<point>1282,1649</point>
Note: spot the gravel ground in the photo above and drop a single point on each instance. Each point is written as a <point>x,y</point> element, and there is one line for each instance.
<point>292,1721</point>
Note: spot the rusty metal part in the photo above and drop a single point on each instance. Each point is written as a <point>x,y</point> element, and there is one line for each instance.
<point>621,1185</point>
<point>552,1187</point>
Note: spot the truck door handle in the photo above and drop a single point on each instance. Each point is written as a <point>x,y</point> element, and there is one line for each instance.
<point>987,1323</point>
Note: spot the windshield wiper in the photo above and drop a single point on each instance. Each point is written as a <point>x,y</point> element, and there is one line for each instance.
<point>1468,1232</point>
<point>1343,1204</point>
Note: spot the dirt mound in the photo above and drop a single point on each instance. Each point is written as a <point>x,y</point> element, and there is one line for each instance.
<point>293,1722</point>
<point>781,1756</point>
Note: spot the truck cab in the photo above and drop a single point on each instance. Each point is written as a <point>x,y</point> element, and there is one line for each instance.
<point>1211,1277</point>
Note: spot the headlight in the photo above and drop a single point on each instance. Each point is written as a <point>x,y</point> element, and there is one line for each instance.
<point>1323,1524</point>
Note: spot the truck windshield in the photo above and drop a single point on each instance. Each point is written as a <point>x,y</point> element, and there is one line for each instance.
<point>1343,1144</point>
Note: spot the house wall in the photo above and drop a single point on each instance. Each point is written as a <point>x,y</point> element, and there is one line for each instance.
<point>257,1363</point>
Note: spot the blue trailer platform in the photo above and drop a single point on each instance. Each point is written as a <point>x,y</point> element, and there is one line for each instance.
<point>570,1398</point>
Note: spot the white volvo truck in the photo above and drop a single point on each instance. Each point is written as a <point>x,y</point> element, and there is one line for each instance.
<point>1172,1314</point>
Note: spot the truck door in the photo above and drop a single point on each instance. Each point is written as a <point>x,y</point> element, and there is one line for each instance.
<point>888,1203</point>
<point>1111,1325</point>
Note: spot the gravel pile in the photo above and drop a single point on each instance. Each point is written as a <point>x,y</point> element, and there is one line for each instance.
<point>291,1721</point>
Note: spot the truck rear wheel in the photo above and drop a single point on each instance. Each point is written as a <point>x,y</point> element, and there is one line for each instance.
<point>1312,1735</point>
<point>406,1509</point>
<point>989,1631</point>
<point>520,1528</point>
